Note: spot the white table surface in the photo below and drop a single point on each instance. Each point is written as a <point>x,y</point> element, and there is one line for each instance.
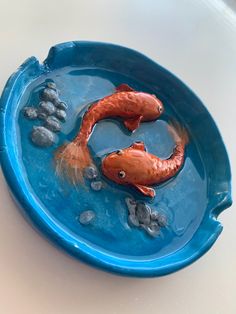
<point>196,40</point>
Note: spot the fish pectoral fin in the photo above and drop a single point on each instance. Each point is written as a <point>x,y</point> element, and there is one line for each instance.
<point>145,190</point>
<point>124,88</point>
<point>133,124</point>
<point>139,145</point>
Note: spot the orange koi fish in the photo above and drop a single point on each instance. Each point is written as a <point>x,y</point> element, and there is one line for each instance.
<point>134,166</point>
<point>132,106</point>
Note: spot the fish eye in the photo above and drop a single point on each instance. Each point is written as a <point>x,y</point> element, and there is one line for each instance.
<point>160,109</point>
<point>121,174</point>
<point>119,152</point>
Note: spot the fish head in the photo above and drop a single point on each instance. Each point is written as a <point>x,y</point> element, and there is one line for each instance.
<point>117,167</point>
<point>123,166</point>
<point>152,107</point>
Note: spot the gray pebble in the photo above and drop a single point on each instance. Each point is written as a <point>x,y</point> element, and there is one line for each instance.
<point>49,94</point>
<point>42,116</point>
<point>60,114</point>
<point>53,124</point>
<point>90,172</point>
<point>41,136</point>
<point>153,229</point>
<point>143,213</point>
<point>131,204</point>
<point>133,220</point>
<point>162,220</point>
<point>96,185</point>
<point>47,107</point>
<point>62,105</point>
<point>130,201</point>
<point>51,85</point>
<point>154,215</point>
<point>86,217</point>
<point>30,113</point>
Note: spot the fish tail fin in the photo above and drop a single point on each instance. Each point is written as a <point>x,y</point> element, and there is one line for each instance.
<point>71,160</point>
<point>178,132</point>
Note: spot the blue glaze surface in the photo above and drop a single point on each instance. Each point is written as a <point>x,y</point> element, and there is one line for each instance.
<point>85,72</point>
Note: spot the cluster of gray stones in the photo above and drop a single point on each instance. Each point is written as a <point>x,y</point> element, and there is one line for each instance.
<point>141,215</point>
<point>51,111</point>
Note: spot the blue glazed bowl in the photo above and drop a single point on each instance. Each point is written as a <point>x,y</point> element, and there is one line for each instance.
<point>85,72</point>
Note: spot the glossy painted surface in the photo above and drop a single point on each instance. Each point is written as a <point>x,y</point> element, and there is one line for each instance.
<point>191,201</point>
<point>134,166</point>
<point>73,158</point>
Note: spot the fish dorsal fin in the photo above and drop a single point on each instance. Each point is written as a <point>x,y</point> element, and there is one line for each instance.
<point>145,190</point>
<point>133,124</point>
<point>139,146</point>
<point>124,88</point>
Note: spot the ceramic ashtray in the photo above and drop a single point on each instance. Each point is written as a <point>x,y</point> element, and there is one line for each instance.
<point>114,159</point>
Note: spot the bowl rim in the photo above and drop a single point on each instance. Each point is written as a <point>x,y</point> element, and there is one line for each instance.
<point>56,234</point>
